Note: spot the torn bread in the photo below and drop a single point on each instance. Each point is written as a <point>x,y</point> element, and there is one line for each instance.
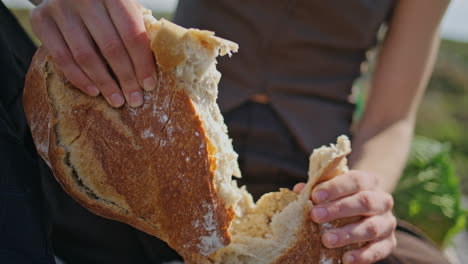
<point>278,228</point>
<point>166,168</point>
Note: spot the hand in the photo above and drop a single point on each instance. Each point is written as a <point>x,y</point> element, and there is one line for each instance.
<point>83,36</point>
<point>355,193</point>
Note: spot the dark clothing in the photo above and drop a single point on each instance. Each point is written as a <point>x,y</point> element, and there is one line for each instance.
<point>303,54</point>
<point>256,132</point>
<point>23,237</point>
<point>37,218</point>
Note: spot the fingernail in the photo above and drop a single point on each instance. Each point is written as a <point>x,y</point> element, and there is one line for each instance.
<point>93,90</point>
<point>136,99</point>
<point>149,84</point>
<point>321,196</point>
<point>330,238</point>
<point>320,213</point>
<point>349,259</point>
<point>117,100</point>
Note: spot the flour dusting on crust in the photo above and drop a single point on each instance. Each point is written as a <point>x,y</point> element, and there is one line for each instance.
<point>211,242</point>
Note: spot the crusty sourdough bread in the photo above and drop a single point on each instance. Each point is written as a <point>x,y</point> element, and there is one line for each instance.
<point>278,228</point>
<point>166,168</point>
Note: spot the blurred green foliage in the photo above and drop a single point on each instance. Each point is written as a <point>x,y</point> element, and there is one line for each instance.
<point>443,114</point>
<point>428,194</point>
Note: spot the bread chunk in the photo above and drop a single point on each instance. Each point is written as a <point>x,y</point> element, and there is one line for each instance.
<point>166,167</point>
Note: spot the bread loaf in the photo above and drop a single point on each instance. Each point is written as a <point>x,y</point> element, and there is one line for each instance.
<point>166,168</point>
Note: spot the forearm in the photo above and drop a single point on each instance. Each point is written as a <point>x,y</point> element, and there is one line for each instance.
<point>382,138</point>
<point>383,151</point>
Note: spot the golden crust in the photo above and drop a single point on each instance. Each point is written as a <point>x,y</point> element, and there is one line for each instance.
<point>169,37</point>
<point>307,247</point>
<point>150,167</point>
<point>36,104</point>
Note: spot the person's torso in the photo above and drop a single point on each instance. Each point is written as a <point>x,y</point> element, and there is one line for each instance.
<point>303,54</point>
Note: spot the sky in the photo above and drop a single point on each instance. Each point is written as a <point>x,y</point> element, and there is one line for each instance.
<point>454,24</point>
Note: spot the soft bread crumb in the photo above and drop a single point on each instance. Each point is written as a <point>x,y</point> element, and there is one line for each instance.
<point>268,229</point>
<point>262,231</point>
<point>190,55</point>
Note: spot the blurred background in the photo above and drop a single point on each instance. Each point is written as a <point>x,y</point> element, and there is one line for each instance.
<point>434,188</point>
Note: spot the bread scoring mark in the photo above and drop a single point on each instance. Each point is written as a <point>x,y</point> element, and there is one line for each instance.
<point>75,177</point>
<point>92,195</point>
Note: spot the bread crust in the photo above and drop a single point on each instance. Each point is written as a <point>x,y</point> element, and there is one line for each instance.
<point>156,170</point>
<point>307,247</point>
<point>36,104</point>
<point>153,167</point>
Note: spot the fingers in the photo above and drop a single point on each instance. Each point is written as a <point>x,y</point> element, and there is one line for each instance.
<point>371,253</point>
<point>51,37</point>
<point>368,229</point>
<point>81,34</point>
<point>127,20</point>
<point>298,187</point>
<point>102,30</point>
<point>364,203</point>
<point>84,53</point>
<point>344,185</point>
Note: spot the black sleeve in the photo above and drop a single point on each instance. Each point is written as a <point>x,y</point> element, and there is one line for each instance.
<point>23,223</point>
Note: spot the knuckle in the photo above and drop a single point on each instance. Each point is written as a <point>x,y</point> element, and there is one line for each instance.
<point>112,47</point>
<point>372,229</point>
<point>61,57</point>
<point>374,180</point>
<point>83,56</point>
<point>365,200</point>
<point>356,179</point>
<point>135,36</point>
